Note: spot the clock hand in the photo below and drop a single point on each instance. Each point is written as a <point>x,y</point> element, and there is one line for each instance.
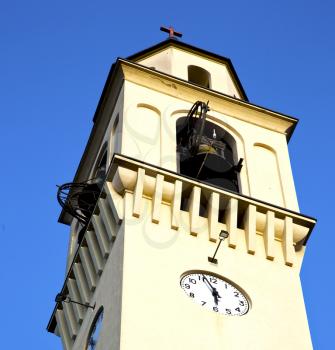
<point>207,283</point>
<point>215,293</point>
<point>216,296</point>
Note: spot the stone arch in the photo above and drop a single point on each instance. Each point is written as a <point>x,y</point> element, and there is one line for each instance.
<point>199,76</point>
<point>101,161</point>
<point>142,133</point>
<point>267,182</point>
<point>216,157</point>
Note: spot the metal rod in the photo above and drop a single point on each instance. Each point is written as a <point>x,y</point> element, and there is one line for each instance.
<point>77,302</point>
<point>222,236</point>
<point>217,248</point>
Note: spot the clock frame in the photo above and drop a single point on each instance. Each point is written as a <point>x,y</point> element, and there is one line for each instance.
<point>215,293</point>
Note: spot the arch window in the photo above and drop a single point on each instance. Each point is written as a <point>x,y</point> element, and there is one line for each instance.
<point>213,159</point>
<point>115,137</point>
<point>94,333</point>
<point>199,76</point>
<point>101,164</point>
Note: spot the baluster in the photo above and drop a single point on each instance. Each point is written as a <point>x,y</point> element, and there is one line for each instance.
<point>63,330</point>
<point>88,267</point>
<point>70,320</point>
<point>288,246</point>
<point>157,200</point>
<point>194,208</point>
<point>250,228</point>
<point>95,251</point>
<point>101,234</point>
<point>269,237</point>
<point>107,219</point>
<point>176,205</point>
<point>75,295</point>
<point>138,193</point>
<point>231,221</point>
<point>213,216</point>
<point>81,282</point>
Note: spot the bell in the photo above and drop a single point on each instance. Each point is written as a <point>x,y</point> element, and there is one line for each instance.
<point>212,161</point>
<point>204,148</point>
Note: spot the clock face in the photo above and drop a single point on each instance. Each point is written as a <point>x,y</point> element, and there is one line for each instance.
<point>214,293</point>
<point>95,330</point>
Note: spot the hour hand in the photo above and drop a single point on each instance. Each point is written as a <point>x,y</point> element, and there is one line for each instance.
<point>216,296</point>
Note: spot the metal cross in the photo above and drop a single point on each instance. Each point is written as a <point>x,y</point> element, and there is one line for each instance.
<point>171,31</point>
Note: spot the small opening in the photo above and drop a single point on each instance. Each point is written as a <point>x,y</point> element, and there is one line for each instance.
<point>94,333</point>
<point>115,137</point>
<point>199,76</point>
<point>101,168</point>
<point>185,196</point>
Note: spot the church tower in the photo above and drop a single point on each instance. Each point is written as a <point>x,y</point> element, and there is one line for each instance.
<point>185,230</point>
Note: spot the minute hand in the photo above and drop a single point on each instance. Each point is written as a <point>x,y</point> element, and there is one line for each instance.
<point>208,283</point>
<point>215,293</point>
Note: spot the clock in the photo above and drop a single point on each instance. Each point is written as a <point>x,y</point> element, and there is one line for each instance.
<point>215,293</point>
<point>95,330</point>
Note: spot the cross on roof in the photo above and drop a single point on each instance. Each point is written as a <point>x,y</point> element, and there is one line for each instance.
<point>172,32</point>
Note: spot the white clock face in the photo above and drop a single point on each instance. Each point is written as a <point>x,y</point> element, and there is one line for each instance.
<point>214,293</point>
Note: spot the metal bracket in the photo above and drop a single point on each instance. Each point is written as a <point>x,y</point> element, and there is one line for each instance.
<point>222,236</point>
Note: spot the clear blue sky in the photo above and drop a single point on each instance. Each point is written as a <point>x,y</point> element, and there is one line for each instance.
<point>54,59</point>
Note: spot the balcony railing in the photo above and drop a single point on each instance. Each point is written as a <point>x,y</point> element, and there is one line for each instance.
<point>206,207</point>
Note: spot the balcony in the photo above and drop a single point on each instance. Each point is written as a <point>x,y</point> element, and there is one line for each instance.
<point>196,209</point>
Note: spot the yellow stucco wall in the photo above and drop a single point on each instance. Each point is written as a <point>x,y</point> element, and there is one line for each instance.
<point>175,61</point>
<point>156,313</point>
<point>148,127</point>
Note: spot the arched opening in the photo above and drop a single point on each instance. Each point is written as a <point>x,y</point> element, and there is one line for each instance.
<point>94,332</point>
<point>266,172</point>
<point>101,165</point>
<point>115,137</point>
<point>199,76</point>
<point>207,152</point>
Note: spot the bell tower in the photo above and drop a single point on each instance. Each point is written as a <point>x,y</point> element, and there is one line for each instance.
<point>185,230</point>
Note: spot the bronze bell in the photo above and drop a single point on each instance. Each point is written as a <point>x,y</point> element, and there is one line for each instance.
<point>205,148</point>
<point>204,151</point>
